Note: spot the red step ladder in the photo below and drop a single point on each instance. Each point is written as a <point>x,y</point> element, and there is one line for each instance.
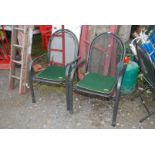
<point>4,50</point>
<point>20,44</point>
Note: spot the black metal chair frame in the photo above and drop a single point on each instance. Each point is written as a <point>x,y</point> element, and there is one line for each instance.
<point>148,86</point>
<point>69,66</point>
<point>117,86</point>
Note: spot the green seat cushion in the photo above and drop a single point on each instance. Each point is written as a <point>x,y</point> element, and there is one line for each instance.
<point>98,83</point>
<point>55,73</point>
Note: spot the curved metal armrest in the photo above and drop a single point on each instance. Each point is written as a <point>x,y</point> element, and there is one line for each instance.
<point>83,61</point>
<point>70,66</point>
<point>31,70</point>
<point>37,58</point>
<point>74,61</point>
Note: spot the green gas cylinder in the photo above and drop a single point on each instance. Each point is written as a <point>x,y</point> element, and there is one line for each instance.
<point>130,78</point>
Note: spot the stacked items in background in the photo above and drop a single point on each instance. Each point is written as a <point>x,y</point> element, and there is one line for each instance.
<point>4,50</point>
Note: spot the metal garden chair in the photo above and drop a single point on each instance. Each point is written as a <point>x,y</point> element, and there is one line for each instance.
<point>147,67</point>
<point>61,57</point>
<point>105,69</point>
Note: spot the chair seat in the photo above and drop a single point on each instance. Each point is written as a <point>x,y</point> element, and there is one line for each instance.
<point>55,73</point>
<point>97,83</point>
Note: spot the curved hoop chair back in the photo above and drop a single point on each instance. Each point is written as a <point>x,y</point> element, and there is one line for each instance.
<point>146,65</point>
<point>105,71</point>
<point>62,52</point>
<point>62,47</point>
<point>106,54</point>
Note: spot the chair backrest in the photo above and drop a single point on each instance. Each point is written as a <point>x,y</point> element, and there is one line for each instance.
<point>106,54</point>
<point>146,65</point>
<point>62,47</point>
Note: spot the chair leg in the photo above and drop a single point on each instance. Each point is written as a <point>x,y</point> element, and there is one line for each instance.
<point>32,92</point>
<point>70,98</point>
<point>153,94</point>
<point>140,93</point>
<point>115,109</point>
<point>67,94</point>
<point>143,103</point>
<point>147,109</point>
<point>149,114</point>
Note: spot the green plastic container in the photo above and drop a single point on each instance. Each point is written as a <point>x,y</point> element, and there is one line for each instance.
<point>130,78</point>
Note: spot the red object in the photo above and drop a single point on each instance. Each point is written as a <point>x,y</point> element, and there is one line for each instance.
<point>113,29</point>
<point>111,59</point>
<point>63,46</point>
<point>62,36</point>
<point>126,60</point>
<point>4,64</point>
<point>4,50</point>
<point>46,31</point>
<point>84,47</point>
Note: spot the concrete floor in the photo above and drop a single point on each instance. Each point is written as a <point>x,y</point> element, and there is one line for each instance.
<point>50,110</point>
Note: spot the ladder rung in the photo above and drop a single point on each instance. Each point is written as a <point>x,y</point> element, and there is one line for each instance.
<point>15,77</point>
<point>17,62</point>
<point>18,46</point>
<point>19,29</point>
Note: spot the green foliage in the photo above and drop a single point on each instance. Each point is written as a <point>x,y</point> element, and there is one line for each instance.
<point>37,46</point>
<point>1,34</point>
<point>141,81</point>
